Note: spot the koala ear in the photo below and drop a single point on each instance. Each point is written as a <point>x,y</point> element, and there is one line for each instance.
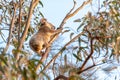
<point>43,20</point>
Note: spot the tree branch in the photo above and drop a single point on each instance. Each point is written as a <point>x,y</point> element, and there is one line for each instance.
<point>78,9</point>
<point>79,72</point>
<point>10,29</point>
<point>19,20</point>
<point>69,15</point>
<point>43,58</point>
<point>65,19</point>
<point>91,52</point>
<point>86,60</point>
<point>32,5</point>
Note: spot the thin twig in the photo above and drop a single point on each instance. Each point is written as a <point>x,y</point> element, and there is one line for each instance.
<point>10,30</point>
<point>94,65</point>
<point>19,20</point>
<point>92,51</point>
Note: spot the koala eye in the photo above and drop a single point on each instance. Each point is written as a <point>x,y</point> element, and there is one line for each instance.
<point>41,24</point>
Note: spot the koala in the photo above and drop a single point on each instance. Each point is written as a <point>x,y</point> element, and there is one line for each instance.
<point>41,39</point>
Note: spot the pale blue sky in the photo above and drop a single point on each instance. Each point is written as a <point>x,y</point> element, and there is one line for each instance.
<point>55,10</point>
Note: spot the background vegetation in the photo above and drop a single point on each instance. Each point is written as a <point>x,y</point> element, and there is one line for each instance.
<point>91,51</point>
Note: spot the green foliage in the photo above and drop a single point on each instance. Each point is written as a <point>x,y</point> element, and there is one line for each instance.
<point>22,69</point>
